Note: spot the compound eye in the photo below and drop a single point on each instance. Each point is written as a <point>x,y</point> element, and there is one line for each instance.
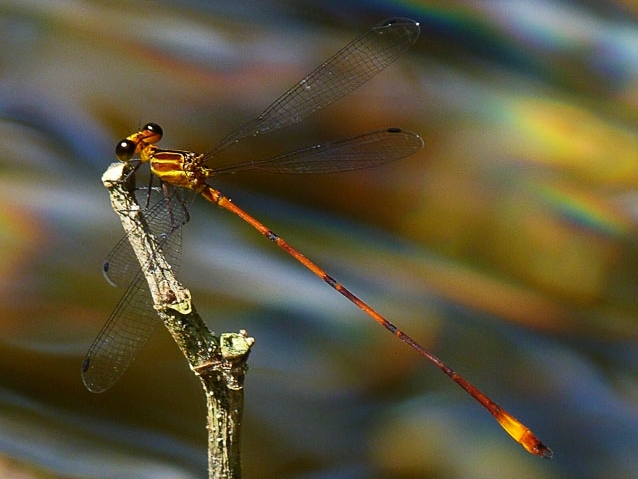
<point>155,129</point>
<point>125,150</point>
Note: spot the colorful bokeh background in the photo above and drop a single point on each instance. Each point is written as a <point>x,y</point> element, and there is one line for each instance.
<point>508,246</point>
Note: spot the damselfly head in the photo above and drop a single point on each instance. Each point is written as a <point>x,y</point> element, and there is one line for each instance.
<point>135,143</point>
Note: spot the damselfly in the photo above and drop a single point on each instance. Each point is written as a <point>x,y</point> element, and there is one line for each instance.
<point>123,336</point>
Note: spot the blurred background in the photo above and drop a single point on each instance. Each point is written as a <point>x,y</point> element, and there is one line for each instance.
<point>508,246</point>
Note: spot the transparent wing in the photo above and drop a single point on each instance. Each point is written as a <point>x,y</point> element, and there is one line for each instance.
<point>134,319</point>
<point>345,71</point>
<point>125,333</point>
<point>361,151</point>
